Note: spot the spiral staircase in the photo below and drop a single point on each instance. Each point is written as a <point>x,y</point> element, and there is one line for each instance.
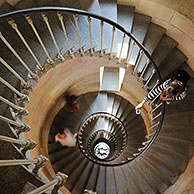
<point>49,51</point>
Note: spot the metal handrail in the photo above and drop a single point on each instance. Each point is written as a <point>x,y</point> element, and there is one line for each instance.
<point>81,12</point>
<point>114,24</point>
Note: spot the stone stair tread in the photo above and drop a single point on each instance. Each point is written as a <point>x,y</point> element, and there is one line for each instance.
<point>154,176</point>
<point>61,164</point>
<point>123,105</point>
<point>180,146</point>
<point>162,166</point>
<point>139,30</point>
<point>120,180</point>
<point>110,181</point>
<point>73,164</point>
<point>173,60</point>
<point>109,10</point>
<point>171,157</point>
<point>83,178</point>
<point>151,41</point>
<point>93,7</point>
<point>177,132</point>
<point>92,180</point>
<point>76,173</point>
<point>110,103</point>
<point>101,180</point>
<point>60,153</point>
<point>164,47</point>
<point>131,182</point>
<point>125,16</point>
<point>143,179</point>
<point>116,105</point>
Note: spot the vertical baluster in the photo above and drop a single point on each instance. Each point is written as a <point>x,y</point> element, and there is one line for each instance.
<point>21,127</point>
<point>46,20</point>
<point>155,125</point>
<point>12,23</point>
<point>14,72</point>
<point>153,72</point>
<point>33,75</point>
<point>130,53</point>
<point>39,162</point>
<point>102,25</point>
<point>78,34</point>
<point>20,110</point>
<point>123,40</point>
<point>90,31</point>
<point>86,191</point>
<point>60,16</point>
<point>58,181</point>
<point>137,63</point>
<point>29,20</point>
<point>156,108</point>
<point>156,117</point>
<point>144,69</point>
<point>22,96</point>
<point>112,42</point>
<point>153,100</point>
<point>25,144</point>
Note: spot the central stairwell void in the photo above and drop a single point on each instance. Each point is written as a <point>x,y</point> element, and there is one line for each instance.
<point>110,64</point>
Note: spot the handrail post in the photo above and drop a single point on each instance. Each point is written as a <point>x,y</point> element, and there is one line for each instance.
<point>33,75</point>
<point>29,20</point>
<point>46,20</point>
<point>112,42</point>
<point>123,40</point>
<point>130,53</point>
<point>20,110</point>
<point>102,25</point>
<point>12,23</point>
<point>86,191</point>
<point>20,127</point>
<point>144,69</point>
<point>25,144</point>
<point>137,62</point>
<point>58,181</point>
<point>23,97</point>
<point>75,16</point>
<point>90,31</point>
<point>60,16</point>
<point>153,72</point>
<point>40,162</point>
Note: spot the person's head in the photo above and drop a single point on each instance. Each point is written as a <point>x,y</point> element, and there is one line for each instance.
<point>173,89</point>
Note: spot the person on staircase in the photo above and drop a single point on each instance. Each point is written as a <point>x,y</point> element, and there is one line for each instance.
<point>175,88</point>
<point>72,103</point>
<point>66,137</point>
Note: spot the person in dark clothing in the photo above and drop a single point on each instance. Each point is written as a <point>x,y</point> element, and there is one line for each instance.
<point>72,103</point>
<point>175,88</point>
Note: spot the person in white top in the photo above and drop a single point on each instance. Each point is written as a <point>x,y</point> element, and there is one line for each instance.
<point>67,138</point>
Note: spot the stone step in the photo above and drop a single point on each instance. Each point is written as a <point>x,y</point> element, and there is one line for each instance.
<point>77,172</point>
<point>93,6</point>
<point>163,166</point>
<point>110,181</point>
<point>109,9</point>
<point>164,47</point>
<point>152,39</point>
<point>92,180</point>
<point>81,183</point>
<point>139,30</point>
<point>125,15</point>
<point>155,177</point>
<point>101,180</point>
